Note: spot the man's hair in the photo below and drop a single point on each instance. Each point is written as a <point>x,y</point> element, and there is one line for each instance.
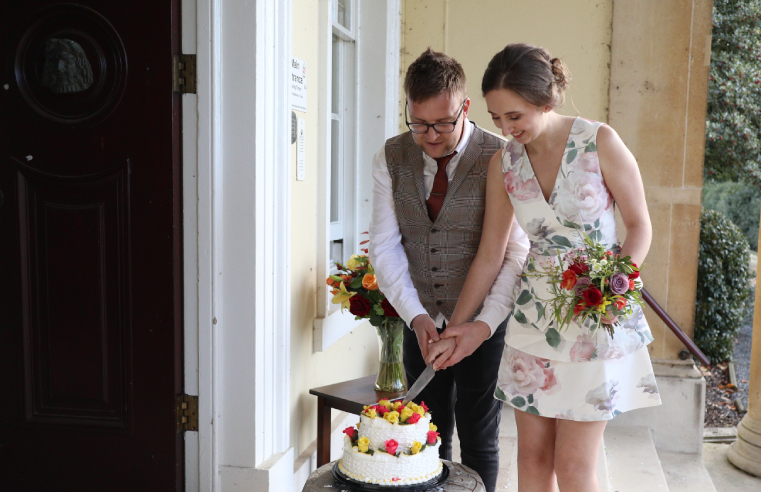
<point>433,74</point>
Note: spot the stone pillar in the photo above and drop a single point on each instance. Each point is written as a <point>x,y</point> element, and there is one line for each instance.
<point>745,453</point>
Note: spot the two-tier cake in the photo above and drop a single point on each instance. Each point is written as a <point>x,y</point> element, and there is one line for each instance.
<point>392,445</point>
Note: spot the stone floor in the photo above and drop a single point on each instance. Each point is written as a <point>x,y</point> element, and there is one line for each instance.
<point>725,477</point>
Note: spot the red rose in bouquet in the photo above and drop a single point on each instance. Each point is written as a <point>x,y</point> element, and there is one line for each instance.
<point>569,279</point>
<point>592,296</point>
<point>359,306</point>
<point>388,309</point>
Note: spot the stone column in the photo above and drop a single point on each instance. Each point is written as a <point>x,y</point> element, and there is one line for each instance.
<point>745,453</point>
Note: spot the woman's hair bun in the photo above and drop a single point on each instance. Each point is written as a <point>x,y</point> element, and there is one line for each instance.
<point>561,73</point>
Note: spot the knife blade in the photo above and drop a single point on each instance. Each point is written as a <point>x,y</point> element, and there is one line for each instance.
<point>421,383</point>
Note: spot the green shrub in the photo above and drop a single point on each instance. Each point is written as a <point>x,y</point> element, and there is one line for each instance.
<point>740,202</point>
<point>723,275</point>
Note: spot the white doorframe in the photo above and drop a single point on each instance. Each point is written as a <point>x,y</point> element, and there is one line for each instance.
<point>236,191</point>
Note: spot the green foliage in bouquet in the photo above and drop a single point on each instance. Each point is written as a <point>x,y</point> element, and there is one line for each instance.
<point>733,126</point>
<point>723,275</point>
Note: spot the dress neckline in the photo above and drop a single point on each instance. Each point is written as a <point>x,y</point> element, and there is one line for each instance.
<point>560,168</point>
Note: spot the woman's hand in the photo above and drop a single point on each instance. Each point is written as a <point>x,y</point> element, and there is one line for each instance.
<point>440,352</point>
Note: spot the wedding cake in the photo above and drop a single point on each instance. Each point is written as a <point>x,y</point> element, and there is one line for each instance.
<point>392,445</point>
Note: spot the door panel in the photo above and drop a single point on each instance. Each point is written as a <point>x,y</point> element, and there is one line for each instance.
<point>90,237</point>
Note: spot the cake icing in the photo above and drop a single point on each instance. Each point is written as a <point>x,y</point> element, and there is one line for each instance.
<point>393,445</point>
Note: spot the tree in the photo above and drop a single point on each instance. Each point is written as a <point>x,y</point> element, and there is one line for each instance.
<point>733,127</point>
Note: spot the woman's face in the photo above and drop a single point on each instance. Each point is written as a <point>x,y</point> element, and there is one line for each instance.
<point>515,116</point>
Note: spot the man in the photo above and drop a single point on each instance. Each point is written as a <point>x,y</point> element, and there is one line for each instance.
<point>429,196</point>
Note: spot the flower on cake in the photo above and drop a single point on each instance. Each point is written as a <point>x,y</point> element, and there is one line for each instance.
<point>391,446</point>
<point>414,418</point>
<point>405,414</point>
<point>432,437</point>
<point>424,406</point>
<point>370,413</point>
<point>351,432</point>
<point>363,444</point>
<point>385,403</point>
<point>432,427</point>
<point>416,447</point>
<point>392,417</point>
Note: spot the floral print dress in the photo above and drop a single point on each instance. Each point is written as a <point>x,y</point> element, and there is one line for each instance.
<point>577,373</point>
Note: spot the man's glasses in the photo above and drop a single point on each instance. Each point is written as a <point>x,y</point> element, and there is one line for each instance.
<point>420,128</point>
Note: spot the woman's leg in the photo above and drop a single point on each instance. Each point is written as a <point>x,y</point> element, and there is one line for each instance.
<point>576,447</point>
<point>536,452</point>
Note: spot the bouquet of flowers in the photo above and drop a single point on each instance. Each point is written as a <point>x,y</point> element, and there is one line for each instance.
<point>596,284</point>
<point>355,288</point>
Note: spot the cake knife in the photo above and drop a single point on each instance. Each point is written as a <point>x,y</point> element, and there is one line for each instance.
<point>421,383</point>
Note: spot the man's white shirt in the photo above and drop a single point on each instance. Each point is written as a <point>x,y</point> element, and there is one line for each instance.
<point>390,261</point>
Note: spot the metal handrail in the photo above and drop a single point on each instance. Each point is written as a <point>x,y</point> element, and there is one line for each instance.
<point>687,341</point>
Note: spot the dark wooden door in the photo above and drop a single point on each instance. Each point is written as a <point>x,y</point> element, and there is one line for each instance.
<point>90,247</point>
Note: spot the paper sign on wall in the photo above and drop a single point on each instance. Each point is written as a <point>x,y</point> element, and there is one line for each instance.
<point>300,150</point>
<point>298,85</point>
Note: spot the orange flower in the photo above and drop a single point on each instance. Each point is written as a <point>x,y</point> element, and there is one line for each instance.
<point>579,308</point>
<point>369,282</point>
<point>620,303</point>
<point>569,280</point>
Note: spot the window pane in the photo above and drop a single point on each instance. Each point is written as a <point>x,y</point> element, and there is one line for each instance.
<point>336,168</point>
<point>336,79</point>
<point>343,13</point>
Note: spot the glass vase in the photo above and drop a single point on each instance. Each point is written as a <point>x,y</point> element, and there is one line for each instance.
<point>391,373</point>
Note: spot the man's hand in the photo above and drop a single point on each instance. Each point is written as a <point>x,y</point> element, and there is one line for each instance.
<point>469,336</point>
<point>425,330</point>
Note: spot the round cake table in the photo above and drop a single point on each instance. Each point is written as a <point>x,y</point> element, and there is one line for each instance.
<point>461,479</point>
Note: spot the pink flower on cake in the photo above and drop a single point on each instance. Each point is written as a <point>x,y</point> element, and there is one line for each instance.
<point>520,189</point>
<point>414,418</point>
<point>391,446</point>
<point>432,436</point>
<point>351,432</point>
<point>583,349</point>
<point>425,407</point>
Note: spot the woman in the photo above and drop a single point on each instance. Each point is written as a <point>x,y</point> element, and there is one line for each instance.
<point>558,175</point>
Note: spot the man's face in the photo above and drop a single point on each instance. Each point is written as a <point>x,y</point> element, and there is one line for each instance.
<point>443,108</point>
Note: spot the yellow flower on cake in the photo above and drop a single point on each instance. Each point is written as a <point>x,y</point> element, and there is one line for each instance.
<point>398,406</point>
<point>432,427</point>
<point>419,410</point>
<point>370,413</point>
<point>392,417</point>
<point>406,413</point>
<point>385,403</point>
<point>415,449</point>
<point>342,297</point>
<point>363,444</point>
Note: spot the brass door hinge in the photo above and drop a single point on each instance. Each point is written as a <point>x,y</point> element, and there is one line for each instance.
<point>187,413</point>
<point>184,73</point>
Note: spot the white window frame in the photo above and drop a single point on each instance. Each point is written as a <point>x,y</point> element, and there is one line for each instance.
<point>375,118</point>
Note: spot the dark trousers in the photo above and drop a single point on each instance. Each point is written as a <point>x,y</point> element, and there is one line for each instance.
<point>464,393</point>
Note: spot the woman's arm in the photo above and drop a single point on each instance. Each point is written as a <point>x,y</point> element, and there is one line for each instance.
<point>498,220</point>
<point>622,177</point>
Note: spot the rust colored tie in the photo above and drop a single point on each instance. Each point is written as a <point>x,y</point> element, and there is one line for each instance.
<point>439,190</point>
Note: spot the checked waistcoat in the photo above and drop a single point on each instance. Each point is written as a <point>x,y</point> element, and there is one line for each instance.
<point>440,252</point>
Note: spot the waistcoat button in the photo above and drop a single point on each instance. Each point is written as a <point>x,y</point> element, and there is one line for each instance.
<point>439,303</point>
<point>434,230</point>
<point>434,269</point>
<point>433,250</point>
<point>436,286</point>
